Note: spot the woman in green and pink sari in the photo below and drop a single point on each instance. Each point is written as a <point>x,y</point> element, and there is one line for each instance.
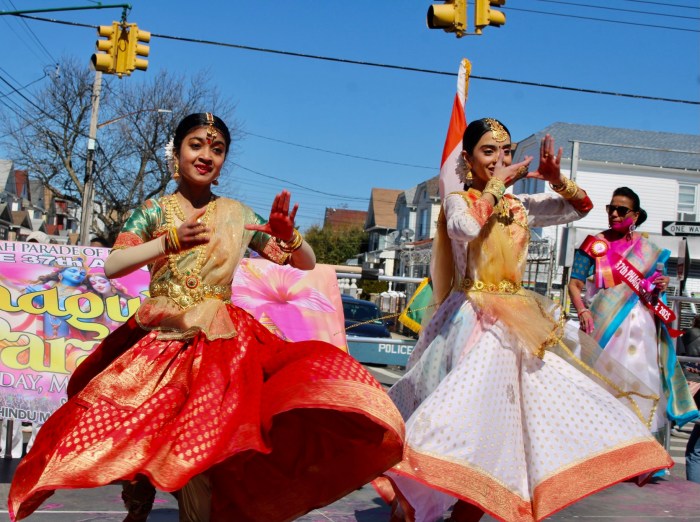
<point>618,286</point>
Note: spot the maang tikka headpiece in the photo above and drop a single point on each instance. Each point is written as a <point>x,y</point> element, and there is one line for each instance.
<point>212,133</point>
<point>499,133</point>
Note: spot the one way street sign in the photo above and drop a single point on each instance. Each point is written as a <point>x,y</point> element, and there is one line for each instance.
<point>680,228</point>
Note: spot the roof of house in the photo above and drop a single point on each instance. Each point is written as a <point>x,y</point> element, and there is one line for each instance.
<point>53,230</point>
<point>432,186</point>
<point>344,218</point>
<point>381,209</point>
<point>5,213</point>
<point>21,218</point>
<point>627,146</point>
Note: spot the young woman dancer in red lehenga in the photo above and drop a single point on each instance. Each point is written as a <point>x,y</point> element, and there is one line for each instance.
<point>195,397</point>
<point>504,411</point>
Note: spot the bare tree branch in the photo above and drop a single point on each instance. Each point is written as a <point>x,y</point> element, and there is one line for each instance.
<point>49,136</point>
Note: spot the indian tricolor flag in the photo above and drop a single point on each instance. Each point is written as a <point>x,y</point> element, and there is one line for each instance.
<point>449,180</point>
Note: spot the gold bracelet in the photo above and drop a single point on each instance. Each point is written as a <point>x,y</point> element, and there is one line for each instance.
<point>567,189</point>
<point>293,245</point>
<point>496,188</point>
<point>172,245</point>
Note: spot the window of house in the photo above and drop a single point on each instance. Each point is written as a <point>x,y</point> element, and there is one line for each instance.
<point>687,202</point>
<point>423,223</point>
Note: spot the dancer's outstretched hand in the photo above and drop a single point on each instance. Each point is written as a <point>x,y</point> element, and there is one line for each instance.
<point>281,222</point>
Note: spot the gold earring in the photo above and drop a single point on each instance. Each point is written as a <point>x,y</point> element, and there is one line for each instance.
<point>176,174</point>
<point>468,178</point>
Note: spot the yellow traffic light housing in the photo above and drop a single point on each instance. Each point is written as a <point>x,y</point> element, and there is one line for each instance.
<point>451,17</point>
<point>485,16</point>
<point>105,59</point>
<point>136,49</point>
<point>122,50</point>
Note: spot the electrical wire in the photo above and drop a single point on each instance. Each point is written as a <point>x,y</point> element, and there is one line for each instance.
<point>397,67</point>
<point>665,4</point>
<point>341,196</point>
<point>638,24</point>
<point>618,9</point>
<point>355,156</point>
<point>36,38</point>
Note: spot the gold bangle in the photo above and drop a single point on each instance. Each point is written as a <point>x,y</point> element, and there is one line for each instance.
<point>174,240</point>
<point>567,189</point>
<point>496,188</point>
<point>584,311</point>
<point>293,245</point>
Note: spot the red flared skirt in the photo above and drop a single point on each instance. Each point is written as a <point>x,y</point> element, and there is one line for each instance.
<point>279,428</point>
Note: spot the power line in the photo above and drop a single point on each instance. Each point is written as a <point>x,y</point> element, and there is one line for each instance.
<point>618,9</point>
<point>341,196</point>
<point>23,87</point>
<point>36,38</point>
<point>341,153</point>
<point>655,26</point>
<point>398,67</point>
<point>664,4</point>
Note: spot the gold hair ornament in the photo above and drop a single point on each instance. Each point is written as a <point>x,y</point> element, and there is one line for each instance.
<point>499,133</point>
<point>212,133</point>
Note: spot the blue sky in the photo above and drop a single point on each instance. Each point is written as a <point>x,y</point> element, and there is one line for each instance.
<point>396,116</point>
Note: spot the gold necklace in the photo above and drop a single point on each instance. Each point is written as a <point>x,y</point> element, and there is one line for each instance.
<point>178,208</point>
<point>190,277</point>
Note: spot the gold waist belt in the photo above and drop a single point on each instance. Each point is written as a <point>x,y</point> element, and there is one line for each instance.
<point>186,297</point>
<point>502,287</point>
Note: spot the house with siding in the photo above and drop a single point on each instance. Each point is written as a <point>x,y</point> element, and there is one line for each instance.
<point>417,210</point>
<point>663,168</point>
<point>36,206</point>
<point>380,223</point>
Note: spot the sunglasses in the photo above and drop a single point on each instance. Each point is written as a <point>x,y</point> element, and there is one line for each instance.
<point>621,211</point>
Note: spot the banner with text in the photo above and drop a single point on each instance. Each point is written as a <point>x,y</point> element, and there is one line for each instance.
<point>56,305</point>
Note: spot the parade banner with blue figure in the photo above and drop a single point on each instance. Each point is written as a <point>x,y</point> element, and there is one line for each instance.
<point>56,305</point>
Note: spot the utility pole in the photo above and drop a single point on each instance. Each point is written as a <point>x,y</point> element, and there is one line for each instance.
<point>568,233</point>
<point>88,184</point>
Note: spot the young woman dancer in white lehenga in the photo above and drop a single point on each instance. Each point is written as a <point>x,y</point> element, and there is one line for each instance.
<point>503,410</point>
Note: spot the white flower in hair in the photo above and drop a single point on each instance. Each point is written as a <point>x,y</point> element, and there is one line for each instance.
<point>170,155</point>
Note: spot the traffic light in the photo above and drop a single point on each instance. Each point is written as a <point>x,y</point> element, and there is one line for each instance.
<point>450,17</point>
<point>485,16</point>
<point>136,49</point>
<point>106,61</point>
